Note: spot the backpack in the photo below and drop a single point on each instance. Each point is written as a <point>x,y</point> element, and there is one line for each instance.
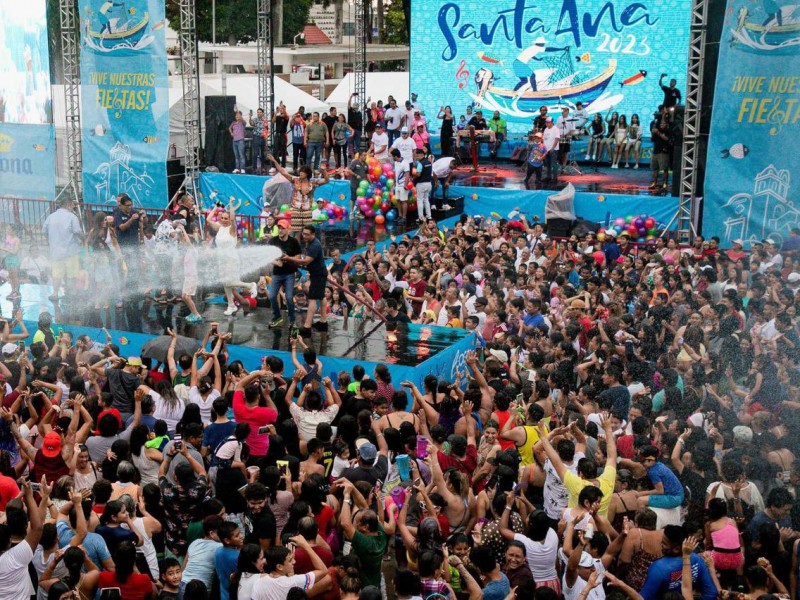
<point>222,463</point>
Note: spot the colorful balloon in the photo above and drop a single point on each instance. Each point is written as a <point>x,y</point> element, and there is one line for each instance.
<point>599,257</point>
<point>380,219</point>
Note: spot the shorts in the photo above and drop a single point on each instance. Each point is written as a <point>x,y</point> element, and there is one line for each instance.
<point>316,287</point>
<point>66,267</point>
<point>664,501</point>
<point>189,286</point>
<point>401,194</point>
<point>659,162</point>
<point>13,261</point>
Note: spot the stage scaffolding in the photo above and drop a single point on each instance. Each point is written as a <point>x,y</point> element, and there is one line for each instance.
<point>360,60</point>
<point>187,37</point>
<point>266,63</point>
<point>688,202</point>
<point>72,94</point>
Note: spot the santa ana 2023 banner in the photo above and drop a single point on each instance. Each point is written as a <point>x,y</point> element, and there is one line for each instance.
<point>754,147</point>
<point>514,56</point>
<point>125,100</point>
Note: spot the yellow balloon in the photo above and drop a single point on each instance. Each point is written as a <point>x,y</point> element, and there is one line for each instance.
<point>601,237</point>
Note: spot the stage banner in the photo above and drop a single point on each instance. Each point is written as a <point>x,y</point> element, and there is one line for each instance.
<point>124,101</point>
<point>27,146</point>
<point>248,189</point>
<point>514,56</point>
<point>754,146</point>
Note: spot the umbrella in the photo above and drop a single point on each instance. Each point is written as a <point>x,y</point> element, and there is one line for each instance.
<point>157,347</point>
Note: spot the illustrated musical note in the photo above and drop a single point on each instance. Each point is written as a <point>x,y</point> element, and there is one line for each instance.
<point>462,74</point>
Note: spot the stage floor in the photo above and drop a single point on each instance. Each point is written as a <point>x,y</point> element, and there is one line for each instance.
<point>356,339</point>
<point>593,178</point>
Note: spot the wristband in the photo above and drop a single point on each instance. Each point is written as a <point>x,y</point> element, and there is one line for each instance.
<point>508,507</point>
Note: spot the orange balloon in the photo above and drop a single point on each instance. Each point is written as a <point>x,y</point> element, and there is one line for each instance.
<point>380,219</point>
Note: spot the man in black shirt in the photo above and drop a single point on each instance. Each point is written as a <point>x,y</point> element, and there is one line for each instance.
<point>283,274</point>
<point>672,95</point>
<point>280,125</point>
<point>393,315</point>
<point>355,118</point>
<point>368,469</point>
<point>540,122</point>
<point>329,120</point>
<point>314,263</point>
<point>478,122</point>
<point>260,526</point>
<point>662,149</point>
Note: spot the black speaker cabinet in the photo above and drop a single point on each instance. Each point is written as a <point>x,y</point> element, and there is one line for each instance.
<point>219,116</point>
<point>558,227</point>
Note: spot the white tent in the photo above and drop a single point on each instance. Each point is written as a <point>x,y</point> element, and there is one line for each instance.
<point>379,87</point>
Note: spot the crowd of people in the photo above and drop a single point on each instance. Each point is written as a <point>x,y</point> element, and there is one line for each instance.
<point>626,426</point>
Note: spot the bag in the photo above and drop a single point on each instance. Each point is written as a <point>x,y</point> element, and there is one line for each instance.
<point>222,463</point>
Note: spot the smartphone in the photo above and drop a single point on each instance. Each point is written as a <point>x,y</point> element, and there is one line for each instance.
<point>111,594</point>
<point>22,345</point>
<point>36,487</point>
<point>214,328</point>
<point>283,467</point>
<point>177,442</point>
<point>265,430</point>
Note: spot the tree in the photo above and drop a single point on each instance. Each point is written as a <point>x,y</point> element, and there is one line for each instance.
<point>236,19</point>
<point>395,30</point>
<point>338,18</point>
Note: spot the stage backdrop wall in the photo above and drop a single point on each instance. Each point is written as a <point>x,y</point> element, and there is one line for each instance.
<point>125,101</point>
<point>27,136</point>
<point>515,56</point>
<point>754,147</point>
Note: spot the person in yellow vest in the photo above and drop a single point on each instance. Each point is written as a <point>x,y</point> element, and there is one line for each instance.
<point>524,434</point>
<point>587,469</point>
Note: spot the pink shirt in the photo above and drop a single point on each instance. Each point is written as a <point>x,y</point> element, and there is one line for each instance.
<point>257,416</point>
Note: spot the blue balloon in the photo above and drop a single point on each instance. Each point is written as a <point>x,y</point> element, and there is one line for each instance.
<point>382,179</point>
<point>641,240</point>
<point>391,215</point>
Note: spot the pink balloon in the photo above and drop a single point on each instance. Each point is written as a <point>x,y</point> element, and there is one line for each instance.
<point>599,257</point>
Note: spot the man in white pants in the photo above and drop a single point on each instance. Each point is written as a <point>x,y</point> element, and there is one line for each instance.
<point>401,173</point>
<point>423,180</point>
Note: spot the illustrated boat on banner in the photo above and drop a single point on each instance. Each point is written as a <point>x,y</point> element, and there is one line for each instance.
<point>554,84</point>
<point>789,22</point>
<point>130,35</point>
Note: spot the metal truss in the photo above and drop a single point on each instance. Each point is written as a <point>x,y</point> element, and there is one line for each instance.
<point>688,202</point>
<point>68,13</point>
<point>360,59</point>
<point>266,62</point>
<point>187,36</point>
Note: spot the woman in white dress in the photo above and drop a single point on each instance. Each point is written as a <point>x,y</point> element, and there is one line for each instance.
<point>226,240</point>
<point>634,141</point>
<point>620,140</point>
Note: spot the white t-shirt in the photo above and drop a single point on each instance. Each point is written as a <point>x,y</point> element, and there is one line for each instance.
<point>541,556</point>
<point>205,405</point>
<point>276,588</point>
<point>442,168</point>
<point>170,415</point>
<point>406,146</point>
<point>381,140</point>
<point>393,117</point>
<point>555,494</point>
<point>14,578</point>
<point>401,171</point>
<point>307,420</point>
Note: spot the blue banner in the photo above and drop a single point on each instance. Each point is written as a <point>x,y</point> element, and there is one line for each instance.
<point>514,56</point>
<point>27,137</point>
<point>753,150</point>
<point>124,101</point>
<point>248,189</point>
<point>27,161</point>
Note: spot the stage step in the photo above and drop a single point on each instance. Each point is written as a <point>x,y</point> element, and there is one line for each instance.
<point>457,202</point>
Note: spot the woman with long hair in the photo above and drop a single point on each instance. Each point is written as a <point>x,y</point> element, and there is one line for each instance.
<point>634,141</point>
<point>82,575</point>
<point>132,586</point>
<point>115,514</point>
<point>612,121</point>
<point>384,380</point>
<point>620,140</point>
<point>146,460</point>
<point>447,129</point>
<point>303,195</point>
<point>280,498</point>
<point>249,568</point>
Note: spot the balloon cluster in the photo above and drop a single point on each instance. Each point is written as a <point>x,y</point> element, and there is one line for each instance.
<point>330,212</point>
<point>375,195</point>
<point>243,232</point>
<point>642,229</point>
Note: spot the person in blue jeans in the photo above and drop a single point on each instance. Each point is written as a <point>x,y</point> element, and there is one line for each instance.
<point>283,274</point>
<point>667,489</point>
<point>316,140</point>
<point>260,125</point>
<point>236,129</point>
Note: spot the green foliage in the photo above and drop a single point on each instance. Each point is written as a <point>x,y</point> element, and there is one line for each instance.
<point>394,24</point>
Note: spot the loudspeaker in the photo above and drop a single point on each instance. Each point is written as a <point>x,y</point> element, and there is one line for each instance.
<point>219,116</point>
<point>582,227</point>
<point>175,175</point>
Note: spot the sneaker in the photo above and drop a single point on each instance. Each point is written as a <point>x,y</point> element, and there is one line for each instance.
<point>194,319</point>
<point>276,323</point>
<point>615,166</point>
<point>653,185</point>
<point>254,290</point>
<point>231,310</point>
<point>626,165</point>
<point>636,166</point>
<point>446,207</point>
<point>304,332</point>
<point>663,186</point>
<point>320,326</point>
<point>586,157</point>
<point>235,171</point>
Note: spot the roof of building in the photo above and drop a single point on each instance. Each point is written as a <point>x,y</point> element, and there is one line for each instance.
<point>314,36</point>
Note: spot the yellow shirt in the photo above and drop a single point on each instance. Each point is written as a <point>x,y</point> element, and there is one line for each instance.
<point>526,450</point>
<point>575,484</point>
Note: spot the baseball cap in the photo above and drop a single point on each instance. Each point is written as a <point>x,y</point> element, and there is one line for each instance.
<point>742,434</point>
<point>284,224</point>
<point>500,355</point>
<point>548,120</point>
<point>134,361</point>
<point>538,134</point>
<point>378,126</point>
<point>51,446</point>
<point>792,278</point>
<point>368,452</point>
<point>9,348</point>
<point>404,130</point>
<point>739,241</point>
<point>586,560</point>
